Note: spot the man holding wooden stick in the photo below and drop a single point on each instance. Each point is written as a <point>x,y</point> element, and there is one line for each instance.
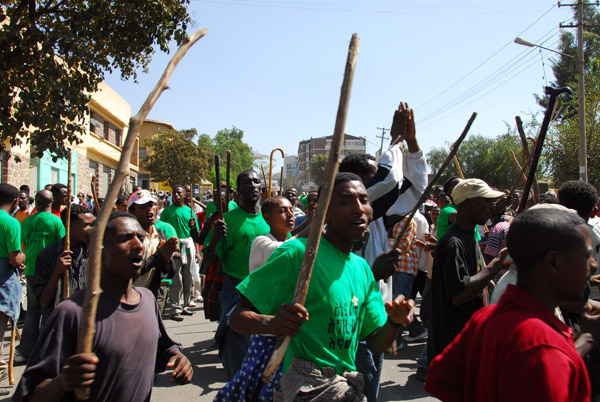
<point>231,241</point>
<point>343,303</point>
<point>142,346</point>
<point>54,260</point>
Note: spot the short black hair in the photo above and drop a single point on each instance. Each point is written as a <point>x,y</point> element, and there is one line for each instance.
<point>578,195</point>
<point>116,215</point>
<point>57,188</point>
<point>8,193</point>
<point>239,176</point>
<point>25,188</point>
<point>76,210</point>
<point>357,163</point>
<point>271,203</point>
<point>179,186</point>
<point>340,178</point>
<point>448,184</point>
<point>120,201</point>
<point>539,230</point>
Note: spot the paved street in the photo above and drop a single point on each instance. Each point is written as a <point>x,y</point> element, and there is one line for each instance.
<point>398,381</point>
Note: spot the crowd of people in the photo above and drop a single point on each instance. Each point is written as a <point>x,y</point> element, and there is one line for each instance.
<point>507,308</point>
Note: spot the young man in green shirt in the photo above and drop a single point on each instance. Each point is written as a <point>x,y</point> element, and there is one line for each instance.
<point>231,240</point>
<point>343,300</point>
<point>179,216</point>
<point>38,231</point>
<point>11,260</point>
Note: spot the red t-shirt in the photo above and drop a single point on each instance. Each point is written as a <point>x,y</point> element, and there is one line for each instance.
<point>516,350</point>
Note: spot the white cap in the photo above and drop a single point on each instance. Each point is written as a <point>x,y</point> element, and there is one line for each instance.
<point>473,188</point>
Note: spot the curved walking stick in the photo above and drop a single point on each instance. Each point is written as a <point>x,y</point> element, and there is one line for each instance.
<point>314,235</point>
<point>66,282</point>
<point>271,168</point>
<point>537,151</point>
<point>92,289</point>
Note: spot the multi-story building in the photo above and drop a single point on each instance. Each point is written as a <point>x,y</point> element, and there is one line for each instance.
<point>96,156</point>
<point>290,171</point>
<point>149,129</point>
<point>320,146</point>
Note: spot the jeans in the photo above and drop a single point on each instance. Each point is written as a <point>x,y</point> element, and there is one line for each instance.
<point>182,281</point>
<point>232,345</point>
<point>403,283</point>
<point>370,366</point>
<point>31,328</point>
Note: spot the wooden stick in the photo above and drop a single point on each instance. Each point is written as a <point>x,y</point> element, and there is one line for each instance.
<point>228,181</point>
<point>522,170</point>
<point>271,169</point>
<point>460,172</point>
<point>537,150</point>
<point>453,150</point>
<point>219,200</point>
<point>66,282</point>
<point>281,182</point>
<point>264,194</point>
<point>95,196</point>
<point>314,235</point>
<point>11,358</point>
<point>92,291</point>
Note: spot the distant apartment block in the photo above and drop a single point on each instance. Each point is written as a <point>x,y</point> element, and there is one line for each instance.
<point>320,146</point>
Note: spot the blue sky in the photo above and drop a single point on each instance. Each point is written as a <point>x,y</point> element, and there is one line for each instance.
<point>274,68</point>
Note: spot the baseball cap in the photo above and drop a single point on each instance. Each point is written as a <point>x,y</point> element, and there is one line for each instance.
<point>140,197</point>
<point>473,188</point>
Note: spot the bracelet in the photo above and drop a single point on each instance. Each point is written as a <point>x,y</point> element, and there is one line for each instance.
<point>393,324</point>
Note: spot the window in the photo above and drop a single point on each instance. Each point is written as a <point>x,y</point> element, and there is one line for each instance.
<point>96,124</point>
<point>142,152</point>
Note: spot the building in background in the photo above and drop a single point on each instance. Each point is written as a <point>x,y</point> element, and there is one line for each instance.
<point>96,156</point>
<point>320,146</point>
<point>290,171</point>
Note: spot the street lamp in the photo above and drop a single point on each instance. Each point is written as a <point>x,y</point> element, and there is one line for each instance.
<point>583,174</point>
<point>525,42</point>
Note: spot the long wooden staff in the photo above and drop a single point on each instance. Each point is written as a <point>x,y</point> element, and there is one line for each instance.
<point>228,181</point>
<point>66,283</point>
<point>537,151</point>
<point>460,172</point>
<point>522,170</point>
<point>219,200</point>
<point>265,194</point>
<point>95,196</point>
<point>92,290</point>
<point>314,235</point>
<point>526,156</point>
<point>521,173</point>
<point>432,182</point>
<point>281,182</point>
<point>11,358</point>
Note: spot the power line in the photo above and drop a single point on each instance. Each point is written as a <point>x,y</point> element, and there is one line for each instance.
<point>483,62</point>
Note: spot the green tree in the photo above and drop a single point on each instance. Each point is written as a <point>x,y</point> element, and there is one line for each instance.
<point>173,157</point>
<point>243,157</point>
<point>317,167</point>
<point>482,157</point>
<point>563,141</point>
<point>54,53</point>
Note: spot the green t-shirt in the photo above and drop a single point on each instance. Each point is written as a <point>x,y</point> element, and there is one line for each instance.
<point>179,218</point>
<point>166,228</point>
<point>234,249</point>
<point>38,231</point>
<point>211,208</point>
<point>343,301</point>
<point>302,199</point>
<point>10,234</point>
<point>443,225</point>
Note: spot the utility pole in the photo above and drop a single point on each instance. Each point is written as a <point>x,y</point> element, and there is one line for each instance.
<point>383,130</point>
<point>583,173</point>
